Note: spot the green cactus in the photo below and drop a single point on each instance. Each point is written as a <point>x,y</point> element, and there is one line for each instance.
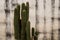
<point>28,30</point>
<point>32,31</point>
<point>16,21</point>
<point>22,26</point>
<point>28,23</point>
<point>27,11</point>
<point>24,20</point>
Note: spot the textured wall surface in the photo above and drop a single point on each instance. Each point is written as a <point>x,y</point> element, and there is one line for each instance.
<point>40,17</point>
<point>2,21</point>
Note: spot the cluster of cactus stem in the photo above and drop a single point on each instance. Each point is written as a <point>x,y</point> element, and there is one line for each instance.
<point>22,26</point>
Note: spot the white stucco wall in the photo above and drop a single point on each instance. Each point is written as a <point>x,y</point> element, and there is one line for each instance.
<point>41,13</point>
<point>2,20</point>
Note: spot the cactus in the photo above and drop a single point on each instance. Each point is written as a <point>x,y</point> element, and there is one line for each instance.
<point>25,31</point>
<point>34,34</point>
<point>27,11</point>
<point>22,26</point>
<point>32,31</point>
<point>16,21</point>
<point>28,22</point>
<point>28,30</point>
<point>23,22</point>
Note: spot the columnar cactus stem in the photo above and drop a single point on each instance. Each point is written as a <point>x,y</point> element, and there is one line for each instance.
<point>23,22</point>
<point>16,21</point>
<point>28,30</point>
